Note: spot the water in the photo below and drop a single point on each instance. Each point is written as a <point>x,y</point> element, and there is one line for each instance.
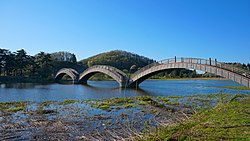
<point>109,89</point>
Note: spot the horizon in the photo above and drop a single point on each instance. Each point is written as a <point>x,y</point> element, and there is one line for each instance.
<point>155,29</point>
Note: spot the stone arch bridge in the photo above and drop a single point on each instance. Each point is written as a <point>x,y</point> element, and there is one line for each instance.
<point>238,75</point>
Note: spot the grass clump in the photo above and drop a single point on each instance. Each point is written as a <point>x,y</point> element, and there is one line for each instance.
<point>128,105</point>
<point>143,103</point>
<point>10,107</point>
<point>171,103</point>
<point>66,102</point>
<point>225,121</point>
<point>15,109</point>
<point>235,87</point>
<point>103,106</point>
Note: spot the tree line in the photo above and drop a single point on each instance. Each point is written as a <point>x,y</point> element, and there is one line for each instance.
<point>20,64</point>
<point>41,66</point>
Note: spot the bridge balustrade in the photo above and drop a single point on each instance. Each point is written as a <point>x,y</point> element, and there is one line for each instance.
<point>113,69</point>
<point>209,62</point>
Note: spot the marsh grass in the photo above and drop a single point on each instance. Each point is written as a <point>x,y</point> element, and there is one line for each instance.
<point>10,107</point>
<point>225,121</point>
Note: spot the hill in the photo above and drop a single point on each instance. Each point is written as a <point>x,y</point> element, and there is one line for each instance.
<point>120,59</point>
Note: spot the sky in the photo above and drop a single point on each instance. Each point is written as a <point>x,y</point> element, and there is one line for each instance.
<point>158,29</point>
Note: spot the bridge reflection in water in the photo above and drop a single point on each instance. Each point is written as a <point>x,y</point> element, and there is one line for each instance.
<point>238,75</point>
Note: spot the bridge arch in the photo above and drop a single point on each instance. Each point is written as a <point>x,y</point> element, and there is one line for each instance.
<point>72,73</point>
<point>113,72</point>
<point>238,75</point>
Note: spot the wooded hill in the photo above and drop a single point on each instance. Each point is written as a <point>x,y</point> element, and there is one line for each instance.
<point>120,59</point>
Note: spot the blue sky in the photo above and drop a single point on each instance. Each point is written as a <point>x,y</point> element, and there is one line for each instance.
<point>158,29</point>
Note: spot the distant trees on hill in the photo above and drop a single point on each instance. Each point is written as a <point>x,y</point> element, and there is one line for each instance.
<point>120,59</point>
<point>40,66</point>
<point>239,65</point>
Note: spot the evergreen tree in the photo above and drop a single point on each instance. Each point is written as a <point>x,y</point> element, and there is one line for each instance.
<point>21,61</point>
<point>44,65</point>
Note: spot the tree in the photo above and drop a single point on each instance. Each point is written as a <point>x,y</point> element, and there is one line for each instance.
<point>2,59</point>
<point>44,65</point>
<point>10,67</point>
<point>21,60</point>
<point>7,61</point>
<point>73,59</point>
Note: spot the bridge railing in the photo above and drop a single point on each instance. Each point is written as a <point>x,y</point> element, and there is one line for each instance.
<point>208,62</point>
<point>116,71</point>
<point>235,69</point>
<point>73,73</point>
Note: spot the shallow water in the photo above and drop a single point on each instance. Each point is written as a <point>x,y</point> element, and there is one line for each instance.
<point>109,89</point>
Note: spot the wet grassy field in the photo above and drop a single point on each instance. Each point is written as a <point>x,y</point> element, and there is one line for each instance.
<point>133,118</point>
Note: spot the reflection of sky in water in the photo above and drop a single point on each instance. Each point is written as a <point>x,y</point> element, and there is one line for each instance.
<point>109,89</point>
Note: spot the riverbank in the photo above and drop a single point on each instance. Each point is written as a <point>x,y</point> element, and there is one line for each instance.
<point>106,119</point>
<point>20,79</point>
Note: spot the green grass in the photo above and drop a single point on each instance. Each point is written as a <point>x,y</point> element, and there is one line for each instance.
<point>10,107</point>
<point>128,105</point>
<point>143,103</point>
<point>103,106</point>
<point>15,109</point>
<point>66,102</point>
<point>171,103</point>
<point>225,121</point>
<point>235,87</point>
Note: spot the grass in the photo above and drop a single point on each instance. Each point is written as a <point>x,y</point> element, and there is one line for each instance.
<point>225,121</point>
<point>235,87</point>
<point>15,109</point>
<point>171,103</point>
<point>10,107</point>
<point>66,102</point>
<point>128,105</point>
<point>103,106</point>
<point>143,103</point>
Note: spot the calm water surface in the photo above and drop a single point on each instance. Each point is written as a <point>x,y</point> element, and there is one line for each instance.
<point>109,89</point>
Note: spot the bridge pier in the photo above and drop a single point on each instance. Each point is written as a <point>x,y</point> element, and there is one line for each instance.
<point>82,82</point>
<point>75,82</point>
<point>124,83</point>
<point>133,84</point>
